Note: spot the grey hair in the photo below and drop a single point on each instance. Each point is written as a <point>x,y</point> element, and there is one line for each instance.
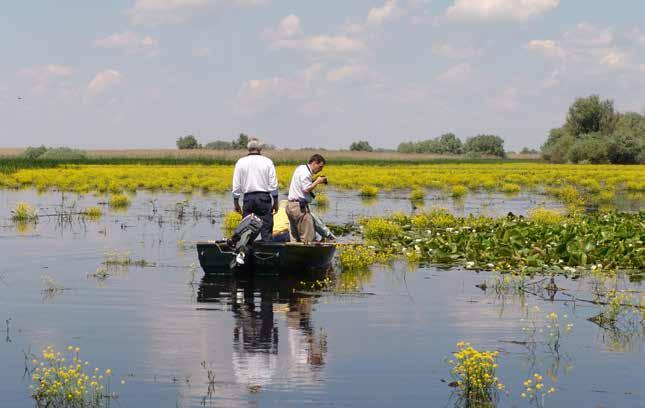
<point>254,144</point>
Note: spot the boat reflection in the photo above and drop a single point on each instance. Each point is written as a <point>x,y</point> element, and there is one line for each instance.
<point>274,337</point>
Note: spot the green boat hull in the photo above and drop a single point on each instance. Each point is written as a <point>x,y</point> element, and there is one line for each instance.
<point>215,257</point>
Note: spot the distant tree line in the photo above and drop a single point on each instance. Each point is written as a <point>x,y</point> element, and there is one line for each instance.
<point>53,153</point>
<point>595,133</point>
<point>190,142</point>
<point>448,143</point>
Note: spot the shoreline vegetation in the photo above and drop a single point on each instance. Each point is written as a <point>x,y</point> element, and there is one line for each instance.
<point>12,158</point>
<point>573,185</point>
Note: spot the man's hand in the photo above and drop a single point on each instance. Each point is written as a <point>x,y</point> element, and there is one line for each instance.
<point>321,180</point>
<point>276,206</point>
<point>236,204</point>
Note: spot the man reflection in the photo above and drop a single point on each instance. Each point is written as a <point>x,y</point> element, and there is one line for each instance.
<point>262,307</point>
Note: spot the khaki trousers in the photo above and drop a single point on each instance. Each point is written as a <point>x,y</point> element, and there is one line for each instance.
<point>301,223</point>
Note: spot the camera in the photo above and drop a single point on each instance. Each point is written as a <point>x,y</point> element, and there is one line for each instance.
<point>325,177</point>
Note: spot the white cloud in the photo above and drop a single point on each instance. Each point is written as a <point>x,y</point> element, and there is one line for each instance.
<point>259,94</point>
<point>587,49</point>
<point>130,43</point>
<point>154,12</point>
<point>45,72</point>
<point>588,35</point>
<point>455,52</point>
<point>636,35</point>
<point>552,80</point>
<point>104,81</point>
<point>387,12</point>
<point>547,48</point>
<point>457,73</point>
<point>289,27</point>
<point>348,72</point>
<point>506,101</point>
<point>323,44</point>
<point>615,58</point>
<point>201,52</point>
<point>46,77</point>
<point>513,10</point>
<point>289,35</point>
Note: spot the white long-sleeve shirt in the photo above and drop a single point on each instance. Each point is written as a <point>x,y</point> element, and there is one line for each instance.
<point>254,173</point>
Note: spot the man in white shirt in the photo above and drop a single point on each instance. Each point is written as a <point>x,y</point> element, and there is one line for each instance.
<point>300,196</point>
<point>255,178</point>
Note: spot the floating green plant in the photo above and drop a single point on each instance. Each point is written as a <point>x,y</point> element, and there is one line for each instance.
<point>368,191</point>
<point>23,212</point>
<point>119,201</point>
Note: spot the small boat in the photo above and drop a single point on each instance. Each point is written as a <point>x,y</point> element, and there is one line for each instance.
<point>215,257</point>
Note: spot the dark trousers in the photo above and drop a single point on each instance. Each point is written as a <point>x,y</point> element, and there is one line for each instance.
<point>261,205</point>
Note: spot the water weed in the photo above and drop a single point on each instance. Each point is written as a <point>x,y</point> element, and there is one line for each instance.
<point>535,390</point>
<point>119,201</point>
<point>546,216</point>
<point>474,374</point>
<point>380,230</point>
<point>23,212</point>
<point>115,258</point>
<point>357,257</point>
<point>418,194</point>
<point>93,212</point>
<point>231,221</point>
<point>510,188</point>
<point>368,191</point>
<point>67,381</point>
<point>545,241</point>
<point>573,184</point>
<point>458,191</point>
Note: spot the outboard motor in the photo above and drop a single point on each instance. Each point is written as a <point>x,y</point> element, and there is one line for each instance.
<point>243,236</point>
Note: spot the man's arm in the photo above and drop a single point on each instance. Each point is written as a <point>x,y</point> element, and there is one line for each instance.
<point>273,187</point>
<point>237,188</point>
<point>313,185</point>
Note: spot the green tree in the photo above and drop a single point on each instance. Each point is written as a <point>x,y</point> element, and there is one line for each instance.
<point>33,152</point>
<point>591,115</point>
<point>361,146</point>
<point>406,147</point>
<point>449,143</point>
<point>485,144</point>
<point>219,145</point>
<point>241,142</point>
<point>188,142</point>
<point>590,148</point>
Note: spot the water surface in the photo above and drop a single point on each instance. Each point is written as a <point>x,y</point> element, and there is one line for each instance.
<point>382,341</point>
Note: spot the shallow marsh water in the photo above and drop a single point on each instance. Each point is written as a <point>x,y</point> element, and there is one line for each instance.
<point>276,342</point>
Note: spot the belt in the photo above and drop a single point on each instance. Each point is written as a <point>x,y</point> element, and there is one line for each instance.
<point>257,192</point>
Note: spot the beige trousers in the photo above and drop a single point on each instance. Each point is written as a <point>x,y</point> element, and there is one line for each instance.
<point>301,224</point>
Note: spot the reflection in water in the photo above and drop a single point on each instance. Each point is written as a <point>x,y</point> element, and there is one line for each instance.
<point>257,304</point>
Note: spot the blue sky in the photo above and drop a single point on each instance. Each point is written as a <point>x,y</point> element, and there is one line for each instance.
<point>141,73</point>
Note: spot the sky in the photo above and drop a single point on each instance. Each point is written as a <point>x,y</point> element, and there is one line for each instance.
<point>141,73</point>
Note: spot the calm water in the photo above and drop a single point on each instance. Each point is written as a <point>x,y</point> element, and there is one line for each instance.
<point>274,342</point>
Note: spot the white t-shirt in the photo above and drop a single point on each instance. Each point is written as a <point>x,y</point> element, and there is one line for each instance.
<point>301,180</point>
<point>254,173</point>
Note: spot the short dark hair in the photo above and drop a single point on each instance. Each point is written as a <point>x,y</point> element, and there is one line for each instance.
<point>317,159</point>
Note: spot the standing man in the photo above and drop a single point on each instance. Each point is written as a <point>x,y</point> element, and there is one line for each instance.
<point>300,196</point>
<point>254,178</point>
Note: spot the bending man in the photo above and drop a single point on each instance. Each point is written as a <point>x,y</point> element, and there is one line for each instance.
<point>300,196</point>
<point>255,178</point>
